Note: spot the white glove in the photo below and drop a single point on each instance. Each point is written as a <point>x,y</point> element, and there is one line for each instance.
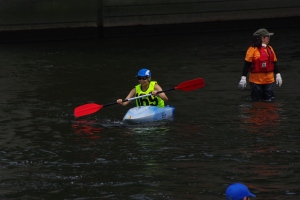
<point>243,83</point>
<point>278,79</point>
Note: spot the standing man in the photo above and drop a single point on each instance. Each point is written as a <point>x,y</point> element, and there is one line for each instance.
<point>261,62</point>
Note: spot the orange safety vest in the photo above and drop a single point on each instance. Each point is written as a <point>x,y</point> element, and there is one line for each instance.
<point>265,63</point>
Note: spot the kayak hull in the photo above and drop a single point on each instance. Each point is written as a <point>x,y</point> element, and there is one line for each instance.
<point>144,114</point>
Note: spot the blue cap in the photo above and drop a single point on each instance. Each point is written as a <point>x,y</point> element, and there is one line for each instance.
<point>238,191</point>
<point>144,72</point>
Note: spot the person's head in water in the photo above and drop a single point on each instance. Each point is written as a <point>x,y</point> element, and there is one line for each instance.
<point>238,191</point>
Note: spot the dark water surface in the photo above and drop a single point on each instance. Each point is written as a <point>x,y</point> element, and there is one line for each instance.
<point>216,138</point>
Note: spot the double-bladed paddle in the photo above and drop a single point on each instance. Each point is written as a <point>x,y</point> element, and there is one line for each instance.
<point>91,108</point>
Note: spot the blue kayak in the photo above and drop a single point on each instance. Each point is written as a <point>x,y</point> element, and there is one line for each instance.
<point>144,114</point>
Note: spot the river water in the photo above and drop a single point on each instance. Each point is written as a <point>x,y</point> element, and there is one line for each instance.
<point>217,137</point>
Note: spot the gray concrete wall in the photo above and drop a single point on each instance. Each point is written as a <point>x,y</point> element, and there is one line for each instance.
<point>45,14</point>
<point>49,14</point>
<point>154,12</point>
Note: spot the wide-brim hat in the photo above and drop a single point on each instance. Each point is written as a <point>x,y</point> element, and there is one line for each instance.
<point>262,32</point>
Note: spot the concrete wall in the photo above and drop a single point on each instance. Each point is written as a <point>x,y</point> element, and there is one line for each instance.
<point>44,14</point>
<point>154,12</point>
<point>22,15</point>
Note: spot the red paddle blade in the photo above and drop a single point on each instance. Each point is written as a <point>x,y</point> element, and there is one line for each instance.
<point>191,85</point>
<point>86,109</point>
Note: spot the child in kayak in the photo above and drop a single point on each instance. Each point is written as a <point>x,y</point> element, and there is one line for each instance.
<point>146,86</point>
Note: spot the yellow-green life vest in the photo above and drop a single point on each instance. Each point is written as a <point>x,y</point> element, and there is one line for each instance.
<point>149,100</point>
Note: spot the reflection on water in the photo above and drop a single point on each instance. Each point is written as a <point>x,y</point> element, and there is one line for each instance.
<point>93,128</point>
<point>87,128</point>
<point>261,117</point>
<point>268,160</point>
